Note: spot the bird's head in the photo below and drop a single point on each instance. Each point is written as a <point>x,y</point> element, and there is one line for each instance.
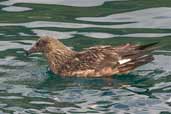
<point>46,45</point>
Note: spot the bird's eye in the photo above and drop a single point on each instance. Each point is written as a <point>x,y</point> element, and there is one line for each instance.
<point>37,44</point>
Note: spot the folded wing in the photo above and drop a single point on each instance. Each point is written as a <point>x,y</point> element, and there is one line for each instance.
<point>108,60</point>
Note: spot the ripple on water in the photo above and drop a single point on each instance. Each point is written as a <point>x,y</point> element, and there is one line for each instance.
<point>26,91</point>
<point>16,9</point>
<point>160,24</point>
<point>39,24</point>
<point>14,109</point>
<point>101,35</point>
<point>161,86</point>
<point>79,3</point>
<point>10,61</point>
<point>56,34</point>
<point>65,35</point>
<point>146,18</point>
<point>62,96</point>
<point>41,103</point>
<point>126,102</point>
<point>162,62</point>
<point>54,110</point>
<point>5,45</point>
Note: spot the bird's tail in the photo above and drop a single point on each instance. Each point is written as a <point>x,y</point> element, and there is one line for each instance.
<point>140,51</point>
<point>125,68</point>
<point>148,47</point>
<point>138,57</point>
<point>135,56</point>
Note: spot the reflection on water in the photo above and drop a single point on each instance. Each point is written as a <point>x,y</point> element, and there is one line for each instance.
<point>5,45</point>
<point>26,85</point>
<point>40,24</point>
<point>79,3</point>
<point>54,34</point>
<point>134,16</point>
<point>147,18</point>
<point>16,9</point>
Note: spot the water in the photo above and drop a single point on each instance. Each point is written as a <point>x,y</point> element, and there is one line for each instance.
<point>27,88</point>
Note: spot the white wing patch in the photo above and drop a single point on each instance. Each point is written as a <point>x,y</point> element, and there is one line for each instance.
<point>122,61</point>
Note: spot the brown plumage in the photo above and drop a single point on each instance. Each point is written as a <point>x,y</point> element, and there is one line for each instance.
<point>97,61</point>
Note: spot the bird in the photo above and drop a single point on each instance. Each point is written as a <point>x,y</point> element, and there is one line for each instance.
<point>95,61</point>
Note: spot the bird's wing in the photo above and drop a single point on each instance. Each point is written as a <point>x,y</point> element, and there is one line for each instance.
<point>99,57</point>
<point>90,61</point>
<point>121,58</point>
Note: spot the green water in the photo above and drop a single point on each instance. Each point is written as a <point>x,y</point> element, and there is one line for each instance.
<point>26,86</point>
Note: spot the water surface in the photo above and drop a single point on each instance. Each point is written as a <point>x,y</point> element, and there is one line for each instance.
<point>26,86</point>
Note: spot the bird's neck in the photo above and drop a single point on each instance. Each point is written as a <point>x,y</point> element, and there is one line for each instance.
<point>57,57</point>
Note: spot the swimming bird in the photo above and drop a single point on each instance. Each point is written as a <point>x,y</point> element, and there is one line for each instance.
<point>96,61</point>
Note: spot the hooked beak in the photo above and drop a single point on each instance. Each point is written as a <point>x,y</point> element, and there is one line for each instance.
<point>31,50</point>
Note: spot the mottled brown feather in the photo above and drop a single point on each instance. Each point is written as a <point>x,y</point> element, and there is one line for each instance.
<point>97,61</point>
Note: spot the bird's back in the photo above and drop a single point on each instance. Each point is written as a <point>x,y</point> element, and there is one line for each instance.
<point>102,61</point>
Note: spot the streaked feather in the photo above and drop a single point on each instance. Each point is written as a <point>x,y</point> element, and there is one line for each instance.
<point>97,61</point>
